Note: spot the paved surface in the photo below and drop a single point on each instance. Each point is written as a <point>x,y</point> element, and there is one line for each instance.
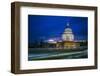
<point>59,55</point>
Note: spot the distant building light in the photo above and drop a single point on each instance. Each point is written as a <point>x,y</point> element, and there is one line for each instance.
<point>51,41</point>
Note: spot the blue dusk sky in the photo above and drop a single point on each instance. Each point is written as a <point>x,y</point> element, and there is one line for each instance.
<point>47,26</point>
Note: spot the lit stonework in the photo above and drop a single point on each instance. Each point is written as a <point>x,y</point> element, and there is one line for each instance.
<point>68,34</point>
<point>67,41</point>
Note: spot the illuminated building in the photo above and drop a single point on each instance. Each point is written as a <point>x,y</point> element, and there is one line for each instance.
<point>67,40</point>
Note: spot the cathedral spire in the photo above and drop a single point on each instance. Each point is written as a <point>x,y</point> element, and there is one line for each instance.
<point>68,25</point>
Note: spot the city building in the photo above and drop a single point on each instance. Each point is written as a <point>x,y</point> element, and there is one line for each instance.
<point>67,40</point>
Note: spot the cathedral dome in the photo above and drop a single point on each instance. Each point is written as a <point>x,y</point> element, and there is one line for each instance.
<point>68,34</point>
<point>68,30</point>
